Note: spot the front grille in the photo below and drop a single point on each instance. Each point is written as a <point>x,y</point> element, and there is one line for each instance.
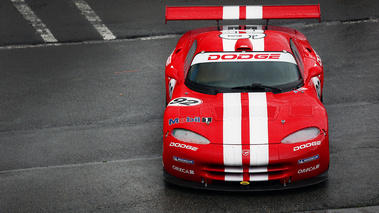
<point>237,173</point>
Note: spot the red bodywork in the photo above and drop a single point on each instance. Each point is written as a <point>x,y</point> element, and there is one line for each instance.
<point>245,129</point>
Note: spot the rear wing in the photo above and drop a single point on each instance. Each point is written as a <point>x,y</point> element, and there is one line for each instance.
<point>175,13</point>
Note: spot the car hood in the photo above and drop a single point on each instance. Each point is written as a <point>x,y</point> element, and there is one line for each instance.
<point>253,118</point>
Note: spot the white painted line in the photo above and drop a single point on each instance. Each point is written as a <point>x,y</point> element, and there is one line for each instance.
<point>29,15</point>
<point>153,158</point>
<point>94,19</point>
<point>9,47</point>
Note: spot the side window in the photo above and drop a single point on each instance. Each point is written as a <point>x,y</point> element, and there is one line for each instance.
<point>297,56</point>
<point>189,57</point>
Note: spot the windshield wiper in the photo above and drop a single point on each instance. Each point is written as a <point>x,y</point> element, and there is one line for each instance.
<point>257,86</point>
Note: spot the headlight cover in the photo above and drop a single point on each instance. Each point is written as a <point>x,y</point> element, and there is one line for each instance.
<point>301,135</point>
<point>189,136</point>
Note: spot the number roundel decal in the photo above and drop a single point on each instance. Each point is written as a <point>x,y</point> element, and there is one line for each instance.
<point>185,101</point>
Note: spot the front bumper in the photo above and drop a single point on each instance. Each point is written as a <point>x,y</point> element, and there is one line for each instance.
<point>286,166</point>
<point>236,186</point>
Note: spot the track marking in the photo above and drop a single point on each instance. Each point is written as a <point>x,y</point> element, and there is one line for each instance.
<point>76,165</point>
<point>94,19</point>
<point>28,14</point>
<point>9,47</point>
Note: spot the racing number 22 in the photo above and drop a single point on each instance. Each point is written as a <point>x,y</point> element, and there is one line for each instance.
<point>185,102</point>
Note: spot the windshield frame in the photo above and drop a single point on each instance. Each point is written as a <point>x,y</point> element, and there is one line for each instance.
<point>209,89</point>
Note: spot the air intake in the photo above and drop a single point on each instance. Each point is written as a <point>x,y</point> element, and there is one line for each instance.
<point>243,45</point>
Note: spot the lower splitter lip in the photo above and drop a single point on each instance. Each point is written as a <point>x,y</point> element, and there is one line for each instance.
<point>254,186</point>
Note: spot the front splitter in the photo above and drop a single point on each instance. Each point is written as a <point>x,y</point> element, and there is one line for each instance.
<point>254,186</point>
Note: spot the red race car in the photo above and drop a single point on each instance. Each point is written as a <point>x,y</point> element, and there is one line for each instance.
<point>244,103</point>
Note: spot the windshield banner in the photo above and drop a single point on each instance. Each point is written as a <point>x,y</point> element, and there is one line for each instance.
<point>243,57</point>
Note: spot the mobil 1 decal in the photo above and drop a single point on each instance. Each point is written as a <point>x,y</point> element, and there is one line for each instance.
<point>185,101</point>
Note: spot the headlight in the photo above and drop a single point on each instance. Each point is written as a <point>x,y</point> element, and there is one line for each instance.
<point>189,136</point>
<point>302,135</point>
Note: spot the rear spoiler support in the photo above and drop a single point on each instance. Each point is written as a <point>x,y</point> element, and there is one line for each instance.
<point>182,13</point>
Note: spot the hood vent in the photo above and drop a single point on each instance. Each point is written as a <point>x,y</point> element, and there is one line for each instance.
<point>243,45</point>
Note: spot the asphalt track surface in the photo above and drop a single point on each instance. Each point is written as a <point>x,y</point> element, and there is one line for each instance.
<point>81,117</point>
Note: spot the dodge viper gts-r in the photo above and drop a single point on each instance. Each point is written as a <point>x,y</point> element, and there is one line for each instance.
<point>244,103</point>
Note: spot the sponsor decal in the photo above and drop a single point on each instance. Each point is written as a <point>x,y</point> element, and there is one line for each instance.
<point>172,121</point>
<point>233,32</point>
<point>171,87</point>
<point>206,120</point>
<point>317,84</point>
<point>306,160</point>
<point>243,56</point>
<point>301,171</point>
<point>182,160</point>
<point>242,34</point>
<point>245,152</point>
<point>184,146</point>
<point>234,36</point>
<point>169,58</point>
<point>300,89</point>
<point>318,59</point>
<point>245,183</point>
<point>185,101</point>
<point>306,145</point>
<point>186,171</point>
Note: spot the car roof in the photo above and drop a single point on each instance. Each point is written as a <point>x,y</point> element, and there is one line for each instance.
<point>212,39</point>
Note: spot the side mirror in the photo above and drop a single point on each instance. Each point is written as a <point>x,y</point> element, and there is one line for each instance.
<point>313,72</point>
<point>172,72</point>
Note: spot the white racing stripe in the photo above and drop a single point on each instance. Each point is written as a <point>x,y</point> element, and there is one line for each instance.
<point>259,173</point>
<point>233,173</point>
<point>258,44</point>
<point>233,177</point>
<point>228,44</point>
<point>258,118</point>
<point>233,169</point>
<point>231,12</point>
<point>96,22</point>
<point>38,25</point>
<point>232,129</point>
<point>259,177</point>
<point>258,134</point>
<point>254,12</point>
<point>258,169</point>
<point>258,129</point>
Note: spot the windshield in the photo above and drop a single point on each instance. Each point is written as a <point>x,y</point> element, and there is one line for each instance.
<point>259,72</point>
